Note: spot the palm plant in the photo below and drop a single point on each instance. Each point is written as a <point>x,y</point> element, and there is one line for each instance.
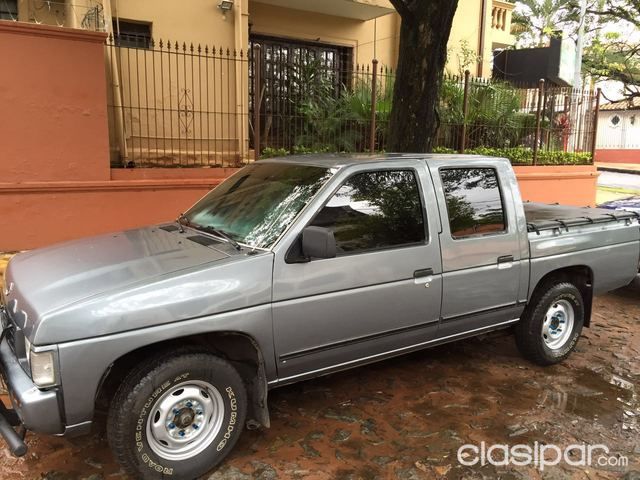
<point>537,20</point>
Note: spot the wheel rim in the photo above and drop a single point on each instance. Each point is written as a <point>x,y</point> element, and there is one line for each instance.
<point>558,324</point>
<point>185,420</point>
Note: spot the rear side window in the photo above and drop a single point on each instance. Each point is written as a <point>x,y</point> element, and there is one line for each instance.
<point>375,210</point>
<point>474,203</point>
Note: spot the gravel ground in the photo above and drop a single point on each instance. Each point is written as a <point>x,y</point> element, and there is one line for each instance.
<point>406,418</point>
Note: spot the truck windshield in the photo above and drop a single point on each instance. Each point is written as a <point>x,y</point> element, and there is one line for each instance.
<point>258,203</point>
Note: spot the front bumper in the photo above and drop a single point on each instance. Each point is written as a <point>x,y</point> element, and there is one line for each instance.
<point>38,410</point>
<point>33,409</point>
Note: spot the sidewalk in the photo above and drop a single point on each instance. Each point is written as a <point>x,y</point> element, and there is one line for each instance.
<point>633,168</point>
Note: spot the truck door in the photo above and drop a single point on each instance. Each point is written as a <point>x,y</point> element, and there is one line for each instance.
<point>382,291</point>
<point>480,241</point>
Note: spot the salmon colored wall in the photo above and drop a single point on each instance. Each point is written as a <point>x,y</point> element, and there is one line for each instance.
<point>613,155</point>
<point>53,113</point>
<point>570,185</point>
<point>41,213</point>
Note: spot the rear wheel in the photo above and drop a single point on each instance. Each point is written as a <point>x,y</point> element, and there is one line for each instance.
<point>549,329</point>
<point>177,416</point>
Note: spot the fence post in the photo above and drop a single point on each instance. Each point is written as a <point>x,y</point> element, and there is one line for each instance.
<point>536,140</point>
<point>465,111</point>
<point>257,99</point>
<point>594,139</point>
<point>374,98</point>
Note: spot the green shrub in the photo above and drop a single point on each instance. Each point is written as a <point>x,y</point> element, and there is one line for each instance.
<point>269,152</point>
<point>524,155</point>
<point>304,150</point>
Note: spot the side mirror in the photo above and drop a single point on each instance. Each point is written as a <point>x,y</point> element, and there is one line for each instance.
<point>318,242</point>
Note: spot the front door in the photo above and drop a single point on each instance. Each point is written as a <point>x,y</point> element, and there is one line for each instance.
<point>382,291</point>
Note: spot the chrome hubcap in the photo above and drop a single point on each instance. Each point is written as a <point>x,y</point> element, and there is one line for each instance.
<point>185,420</point>
<point>558,324</point>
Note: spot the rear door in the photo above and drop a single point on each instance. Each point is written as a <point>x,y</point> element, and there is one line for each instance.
<point>481,259</point>
<point>381,293</point>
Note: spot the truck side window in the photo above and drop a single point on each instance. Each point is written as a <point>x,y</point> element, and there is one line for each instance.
<point>375,210</point>
<point>474,203</point>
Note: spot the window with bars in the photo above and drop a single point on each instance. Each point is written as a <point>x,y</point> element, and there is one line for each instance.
<point>131,34</point>
<point>8,9</point>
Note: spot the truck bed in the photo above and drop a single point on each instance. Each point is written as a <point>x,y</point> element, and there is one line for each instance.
<point>541,216</point>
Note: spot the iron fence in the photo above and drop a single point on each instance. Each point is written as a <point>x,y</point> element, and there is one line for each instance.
<point>541,125</point>
<point>178,105</point>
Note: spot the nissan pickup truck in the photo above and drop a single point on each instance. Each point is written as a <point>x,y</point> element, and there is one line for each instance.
<point>290,269</point>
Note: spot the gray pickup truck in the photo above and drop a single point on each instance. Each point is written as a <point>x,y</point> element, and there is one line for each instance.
<point>290,269</point>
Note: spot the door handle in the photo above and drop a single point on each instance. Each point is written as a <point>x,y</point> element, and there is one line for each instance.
<point>504,262</point>
<point>425,272</point>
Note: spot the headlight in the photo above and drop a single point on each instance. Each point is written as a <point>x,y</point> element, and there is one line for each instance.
<point>43,371</point>
<point>42,366</point>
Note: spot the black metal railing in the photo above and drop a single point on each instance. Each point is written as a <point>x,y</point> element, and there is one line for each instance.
<point>174,104</point>
<point>177,105</point>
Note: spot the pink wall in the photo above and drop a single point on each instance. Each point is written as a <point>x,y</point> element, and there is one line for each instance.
<point>613,155</point>
<point>41,213</point>
<point>53,108</point>
<point>570,185</point>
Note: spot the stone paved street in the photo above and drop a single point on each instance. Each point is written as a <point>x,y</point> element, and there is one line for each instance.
<point>405,418</point>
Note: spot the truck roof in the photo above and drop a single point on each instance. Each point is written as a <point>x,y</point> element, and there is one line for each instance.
<point>338,160</point>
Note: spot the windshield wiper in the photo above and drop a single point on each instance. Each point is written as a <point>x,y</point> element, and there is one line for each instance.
<point>181,217</point>
<point>219,233</point>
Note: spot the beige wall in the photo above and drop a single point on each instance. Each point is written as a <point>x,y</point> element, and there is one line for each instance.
<point>203,22</point>
<point>365,37</point>
<point>197,21</point>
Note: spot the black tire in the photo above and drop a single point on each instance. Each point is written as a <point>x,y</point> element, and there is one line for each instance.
<point>140,396</point>
<point>529,330</point>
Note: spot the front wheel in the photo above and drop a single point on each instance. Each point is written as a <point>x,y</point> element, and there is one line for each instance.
<point>549,329</point>
<point>177,416</point>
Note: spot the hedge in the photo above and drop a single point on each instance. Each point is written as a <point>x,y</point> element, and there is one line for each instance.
<point>524,155</point>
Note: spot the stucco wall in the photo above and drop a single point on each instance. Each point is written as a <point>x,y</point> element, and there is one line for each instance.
<point>568,185</point>
<point>365,37</point>
<point>618,155</point>
<point>197,21</point>
<point>52,104</point>
<point>202,22</point>
<point>50,212</point>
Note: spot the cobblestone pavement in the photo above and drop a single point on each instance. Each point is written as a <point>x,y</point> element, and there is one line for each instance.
<point>406,418</point>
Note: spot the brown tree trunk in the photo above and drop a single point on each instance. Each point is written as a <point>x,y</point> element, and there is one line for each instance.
<point>424,33</point>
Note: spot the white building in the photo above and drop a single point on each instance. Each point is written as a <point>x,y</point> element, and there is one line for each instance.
<point>618,137</point>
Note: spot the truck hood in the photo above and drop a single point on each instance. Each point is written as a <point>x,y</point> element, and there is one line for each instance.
<point>44,281</point>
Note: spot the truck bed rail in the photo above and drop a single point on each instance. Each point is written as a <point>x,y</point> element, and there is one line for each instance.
<point>542,216</point>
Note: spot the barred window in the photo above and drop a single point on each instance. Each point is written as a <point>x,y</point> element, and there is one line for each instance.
<point>9,10</point>
<point>132,34</point>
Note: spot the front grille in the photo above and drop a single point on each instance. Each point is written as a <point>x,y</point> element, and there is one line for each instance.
<point>14,336</point>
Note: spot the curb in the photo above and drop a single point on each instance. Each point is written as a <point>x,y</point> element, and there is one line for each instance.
<point>619,170</point>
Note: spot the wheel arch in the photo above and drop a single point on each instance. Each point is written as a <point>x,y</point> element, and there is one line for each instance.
<point>238,348</point>
<point>579,275</point>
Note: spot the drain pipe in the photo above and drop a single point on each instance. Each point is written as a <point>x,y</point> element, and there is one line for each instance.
<point>242,90</point>
<point>481,32</point>
<point>116,87</point>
